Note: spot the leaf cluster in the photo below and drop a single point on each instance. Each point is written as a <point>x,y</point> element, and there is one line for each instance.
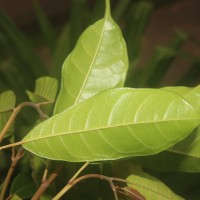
<point>122,131</point>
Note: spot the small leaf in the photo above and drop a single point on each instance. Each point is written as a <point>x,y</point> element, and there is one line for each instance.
<point>151,187</point>
<point>23,187</point>
<point>98,62</point>
<point>45,91</point>
<point>16,197</point>
<point>115,124</point>
<point>7,103</point>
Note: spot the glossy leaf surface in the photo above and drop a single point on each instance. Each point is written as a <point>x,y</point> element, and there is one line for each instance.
<point>97,63</point>
<point>151,187</point>
<point>7,103</point>
<point>115,124</point>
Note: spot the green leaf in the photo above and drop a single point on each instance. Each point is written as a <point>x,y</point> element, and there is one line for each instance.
<point>115,124</point>
<point>151,187</point>
<point>16,197</point>
<point>192,95</point>
<point>7,103</point>
<point>185,155</point>
<point>45,91</point>
<point>98,62</point>
<point>23,187</point>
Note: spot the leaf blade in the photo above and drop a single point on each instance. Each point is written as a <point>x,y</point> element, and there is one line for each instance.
<point>7,103</point>
<point>98,62</point>
<point>46,89</point>
<point>123,122</point>
<point>151,187</point>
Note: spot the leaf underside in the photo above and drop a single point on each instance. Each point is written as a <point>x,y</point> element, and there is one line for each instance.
<point>45,90</point>
<point>97,63</point>
<point>7,103</point>
<point>115,124</point>
<point>151,187</point>
<point>184,156</point>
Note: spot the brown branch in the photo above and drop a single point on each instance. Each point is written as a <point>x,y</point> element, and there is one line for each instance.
<point>46,182</point>
<point>15,158</point>
<point>88,176</point>
<point>17,110</point>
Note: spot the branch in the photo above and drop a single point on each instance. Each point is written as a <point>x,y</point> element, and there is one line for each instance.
<point>88,176</point>
<point>15,159</point>
<point>17,110</point>
<point>70,182</point>
<point>46,182</point>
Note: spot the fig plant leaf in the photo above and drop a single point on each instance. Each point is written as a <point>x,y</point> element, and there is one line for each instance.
<point>150,187</point>
<point>185,155</point>
<point>98,62</point>
<point>16,197</point>
<point>7,103</point>
<point>115,124</point>
<point>23,187</point>
<point>45,90</point>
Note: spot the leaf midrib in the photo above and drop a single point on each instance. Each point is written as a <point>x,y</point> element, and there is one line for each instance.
<point>92,63</point>
<point>98,129</point>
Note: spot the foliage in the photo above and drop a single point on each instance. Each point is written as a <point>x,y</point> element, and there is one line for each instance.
<point>117,131</point>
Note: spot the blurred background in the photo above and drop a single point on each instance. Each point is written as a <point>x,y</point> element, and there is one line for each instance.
<point>163,38</point>
<point>163,41</point>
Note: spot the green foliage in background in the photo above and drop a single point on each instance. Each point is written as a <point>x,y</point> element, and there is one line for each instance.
<point>147,137</point>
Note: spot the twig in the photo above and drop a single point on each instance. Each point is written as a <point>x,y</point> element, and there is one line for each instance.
<point>15,158</point>
<point>46,182</point>
<point>78,172</point>
<point>11,145</point>
<point>70,182</point>
<point>88,176</point>
<point>17,110</point>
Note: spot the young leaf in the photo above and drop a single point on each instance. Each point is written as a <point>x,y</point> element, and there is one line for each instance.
<point>7,103</point>
<point>45,90</point>
<point>23,187</point>
<point>151,187</point>
<point>115,124</point>
<point>98,62</point>
<point>16,197</point>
